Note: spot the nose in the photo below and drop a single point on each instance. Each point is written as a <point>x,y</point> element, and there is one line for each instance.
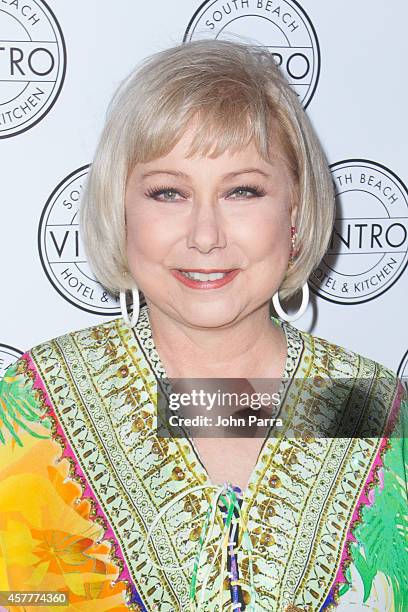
<point>206,226</point>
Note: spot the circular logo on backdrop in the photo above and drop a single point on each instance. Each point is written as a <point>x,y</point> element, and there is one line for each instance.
<point>32,64</point>
<point>368,248</point>
<point>283,28</point>
<point>61,251</point>
<point>8,355</point>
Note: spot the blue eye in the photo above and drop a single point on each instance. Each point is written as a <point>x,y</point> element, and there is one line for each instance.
<point>257,192</point>
<point>157,191</point>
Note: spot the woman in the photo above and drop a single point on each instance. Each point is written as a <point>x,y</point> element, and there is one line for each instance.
<point>210,193</point>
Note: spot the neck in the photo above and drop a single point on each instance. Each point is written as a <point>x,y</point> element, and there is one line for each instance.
<point>254,346</point>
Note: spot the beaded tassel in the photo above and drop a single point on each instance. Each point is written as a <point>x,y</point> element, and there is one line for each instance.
<point>227,494</point>
<point>230,502</point>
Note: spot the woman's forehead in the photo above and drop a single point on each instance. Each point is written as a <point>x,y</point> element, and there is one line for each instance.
<point>248,154</point>
<point>245,164</point>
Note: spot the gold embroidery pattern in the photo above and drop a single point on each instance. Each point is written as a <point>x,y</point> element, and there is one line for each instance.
<point>301,498</point>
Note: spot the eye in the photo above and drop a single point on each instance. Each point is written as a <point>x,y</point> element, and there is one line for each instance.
<point>155,192</point>
<point>254,191</point>
<point>170,193</point>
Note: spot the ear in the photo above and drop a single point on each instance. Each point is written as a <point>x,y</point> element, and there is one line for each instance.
<point>293,214</point>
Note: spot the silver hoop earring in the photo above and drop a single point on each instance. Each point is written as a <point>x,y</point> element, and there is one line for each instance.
<point>282,314</point>
<point>136,307</point>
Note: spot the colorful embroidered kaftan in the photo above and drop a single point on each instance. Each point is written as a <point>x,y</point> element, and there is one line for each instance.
<point>94,503</point>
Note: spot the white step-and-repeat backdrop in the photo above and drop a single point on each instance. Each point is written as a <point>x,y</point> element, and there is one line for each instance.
<point>59,65</point>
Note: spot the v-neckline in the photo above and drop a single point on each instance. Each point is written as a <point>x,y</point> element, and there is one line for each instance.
<point>294,352</point>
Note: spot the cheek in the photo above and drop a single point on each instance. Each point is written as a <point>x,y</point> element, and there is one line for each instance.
<point>145,234</point>
<point>267,235</point>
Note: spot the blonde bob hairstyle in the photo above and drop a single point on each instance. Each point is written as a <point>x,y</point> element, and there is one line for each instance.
<point>239,96</point>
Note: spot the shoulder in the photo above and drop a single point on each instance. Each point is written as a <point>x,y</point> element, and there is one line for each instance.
<point>92,337</point>
<point>337,359</point>
<point>94,334</point>
<point>368,386</point>
<point>25,384</point>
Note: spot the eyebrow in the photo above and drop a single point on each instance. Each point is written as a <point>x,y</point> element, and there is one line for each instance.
<point>180,174</point>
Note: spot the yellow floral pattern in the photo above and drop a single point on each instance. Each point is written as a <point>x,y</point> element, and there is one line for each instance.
<point>48,541</point>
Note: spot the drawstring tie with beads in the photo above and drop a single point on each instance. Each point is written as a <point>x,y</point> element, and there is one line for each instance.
<point>227,494</point>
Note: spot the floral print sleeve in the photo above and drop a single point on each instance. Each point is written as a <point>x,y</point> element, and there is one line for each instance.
<point>377,554</point>
<point>48,541</point>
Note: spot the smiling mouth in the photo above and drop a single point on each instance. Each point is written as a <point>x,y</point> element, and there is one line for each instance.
<point>205,270</point>
<point>205,274</point>
<point>205,278</point>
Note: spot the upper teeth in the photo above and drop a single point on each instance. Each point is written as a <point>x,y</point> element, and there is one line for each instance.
<point>204,277</point>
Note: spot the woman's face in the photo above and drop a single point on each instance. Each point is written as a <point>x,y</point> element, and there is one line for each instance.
<point>232,212</point>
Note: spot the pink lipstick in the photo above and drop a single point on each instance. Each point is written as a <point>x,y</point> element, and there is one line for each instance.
<point>229,275</point>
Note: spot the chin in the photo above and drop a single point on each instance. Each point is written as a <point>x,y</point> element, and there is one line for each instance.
<point>195,312</point>
<point>207,315</point>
